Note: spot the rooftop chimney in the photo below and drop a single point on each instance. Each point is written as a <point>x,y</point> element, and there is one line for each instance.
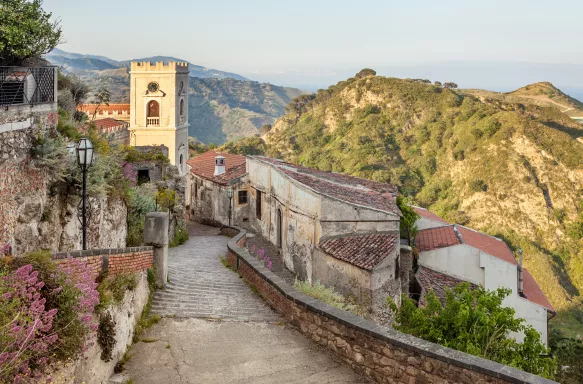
<point>520,274</point>
<point>219,165</point>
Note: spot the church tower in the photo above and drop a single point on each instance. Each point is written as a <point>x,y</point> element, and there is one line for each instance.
<point>159,108</point>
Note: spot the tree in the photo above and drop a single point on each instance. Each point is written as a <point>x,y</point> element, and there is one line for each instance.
<point>102,96</point>
<point>407,226</point>
<point>450,85</point>
<point>475,322</point>
<point>365,72</point>
<point>438,83</point>
<point>26,31</point>
<point>568,352</point>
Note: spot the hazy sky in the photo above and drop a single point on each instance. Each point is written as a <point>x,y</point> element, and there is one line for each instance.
<point>259,38</point>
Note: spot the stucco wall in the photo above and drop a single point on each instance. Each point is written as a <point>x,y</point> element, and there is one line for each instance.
<point>461,261</point>
<point>346,278</point>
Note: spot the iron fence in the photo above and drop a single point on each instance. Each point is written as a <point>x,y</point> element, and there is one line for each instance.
<point>27,85</point>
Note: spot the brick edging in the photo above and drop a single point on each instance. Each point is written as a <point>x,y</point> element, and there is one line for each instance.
<point>380,333</point>
<point>99,252</point>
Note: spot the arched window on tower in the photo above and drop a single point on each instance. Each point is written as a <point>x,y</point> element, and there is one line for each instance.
<point>153,114</point>
<point>181,166</point>
<point>181,107</point>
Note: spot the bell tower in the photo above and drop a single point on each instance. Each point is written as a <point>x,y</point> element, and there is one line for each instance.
<point>159,108</point>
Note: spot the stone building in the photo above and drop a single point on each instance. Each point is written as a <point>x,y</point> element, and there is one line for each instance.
<point>207,185</point>
<point>340,230</point>
<point>159,108</point>
<point>451,254</point>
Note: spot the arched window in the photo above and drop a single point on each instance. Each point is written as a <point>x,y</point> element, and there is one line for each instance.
<point>153,109</point>
<point>181,107</point>
<point>181,166</point>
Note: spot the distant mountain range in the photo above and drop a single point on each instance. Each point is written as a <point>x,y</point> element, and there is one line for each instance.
<point>81,62</point>
<point>223,106</point>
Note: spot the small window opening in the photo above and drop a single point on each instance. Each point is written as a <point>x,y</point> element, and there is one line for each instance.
<point>258,205</point>
<point>242,197</point>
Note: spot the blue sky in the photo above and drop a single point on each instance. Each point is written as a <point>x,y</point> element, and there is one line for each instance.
<point>320,39</point>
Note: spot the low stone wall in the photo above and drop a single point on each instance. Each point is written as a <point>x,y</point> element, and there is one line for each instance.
<point>380,353</point>
<point>113,261</point>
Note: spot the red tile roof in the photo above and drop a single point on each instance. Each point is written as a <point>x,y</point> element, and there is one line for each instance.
<point>367,193</point>
<point>204,166</point>
<point>365,251</point>
<point>434,238</point>
<point>486,243</point>
<point>90,108</point>
<point>532,291</point>
<point>109,123</point>
<point>426,214</point>
<point>436,281</point>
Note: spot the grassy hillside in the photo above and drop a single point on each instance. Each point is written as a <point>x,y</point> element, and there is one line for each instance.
<point>542,94</point>
<point>508,168</point>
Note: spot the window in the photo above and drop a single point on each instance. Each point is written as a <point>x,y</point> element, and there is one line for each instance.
<point>258,205</point>
<point>242,197</point>
<point>181,107</point>
<point>397,268</point>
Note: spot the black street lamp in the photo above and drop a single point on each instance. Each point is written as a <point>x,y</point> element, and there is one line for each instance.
<point>230,195</point>
<point>84,160</point>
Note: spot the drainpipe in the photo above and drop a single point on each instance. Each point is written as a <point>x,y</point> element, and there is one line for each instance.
<point>520,274</point>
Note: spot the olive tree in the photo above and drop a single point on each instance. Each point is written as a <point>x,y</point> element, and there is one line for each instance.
<point>26,31</point>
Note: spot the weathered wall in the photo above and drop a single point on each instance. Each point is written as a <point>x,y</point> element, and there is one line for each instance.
<point>378,352</point>
<point>346,278</point>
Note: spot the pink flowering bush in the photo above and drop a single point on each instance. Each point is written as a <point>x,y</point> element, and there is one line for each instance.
<point>26,336</point>
<point>46,313</point>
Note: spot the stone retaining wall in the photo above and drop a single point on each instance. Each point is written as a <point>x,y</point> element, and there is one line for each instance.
<point>113,261</point>
<point>380,353</point>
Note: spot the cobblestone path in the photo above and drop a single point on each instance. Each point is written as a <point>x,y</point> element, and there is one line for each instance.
<point>201,286</point>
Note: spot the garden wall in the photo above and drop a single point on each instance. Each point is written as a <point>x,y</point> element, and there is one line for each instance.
<point>91,369</point>
<point>380,353</point>
<point>113,261</point>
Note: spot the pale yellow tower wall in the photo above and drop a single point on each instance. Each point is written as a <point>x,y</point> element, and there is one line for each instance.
<point>170,128</point>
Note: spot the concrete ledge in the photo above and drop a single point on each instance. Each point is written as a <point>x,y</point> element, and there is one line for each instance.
<point>487,370</point>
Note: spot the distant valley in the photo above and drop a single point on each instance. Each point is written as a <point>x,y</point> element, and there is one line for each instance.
<point>223,106</point>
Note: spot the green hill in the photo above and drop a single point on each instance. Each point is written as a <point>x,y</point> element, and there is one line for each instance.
<point>508,168</point>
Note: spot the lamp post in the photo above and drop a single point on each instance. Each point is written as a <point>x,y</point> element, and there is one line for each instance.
<point>84,160</point>
<point>230,195</point>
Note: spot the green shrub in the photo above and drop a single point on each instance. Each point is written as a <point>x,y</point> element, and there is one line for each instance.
<point>478,185</point>
<point>180,237</point>
<point>475,321</point>
<point>112,289</point>
<point>106,336</point>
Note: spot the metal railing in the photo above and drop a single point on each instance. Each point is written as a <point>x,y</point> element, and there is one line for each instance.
<point>27,85</point>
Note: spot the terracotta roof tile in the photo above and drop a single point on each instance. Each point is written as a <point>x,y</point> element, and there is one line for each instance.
<point>109,123</point>
<point>426,214</point>
<point>204,166</point>
<point>365,251</point>
<point>532,291</point>
<point>367,193</point>
<point>434,238</point>
<point>90,108</point>
<point>436,281</point>
<point>488,244</point>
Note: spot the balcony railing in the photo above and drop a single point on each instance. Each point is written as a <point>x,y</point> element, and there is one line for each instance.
<point>27,85</point>
<point>152,122</point>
